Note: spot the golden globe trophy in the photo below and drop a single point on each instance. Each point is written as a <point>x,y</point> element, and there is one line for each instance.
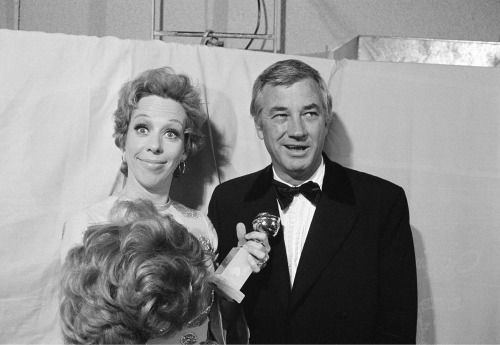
<point>235,269</point>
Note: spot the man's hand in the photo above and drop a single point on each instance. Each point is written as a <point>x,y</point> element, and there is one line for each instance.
<point>257,244</point>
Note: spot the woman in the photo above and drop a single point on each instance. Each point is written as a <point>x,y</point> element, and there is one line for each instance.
<point>140,278</point>
<point>157,127</point>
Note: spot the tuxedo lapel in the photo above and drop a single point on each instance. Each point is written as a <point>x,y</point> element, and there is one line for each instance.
<point>262,198</point>
<point>332,222</point>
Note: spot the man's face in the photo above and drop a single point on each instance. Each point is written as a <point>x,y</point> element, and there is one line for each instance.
<point>293,125</point>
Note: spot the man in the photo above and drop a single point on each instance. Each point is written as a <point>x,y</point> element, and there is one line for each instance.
<point>342,268</point>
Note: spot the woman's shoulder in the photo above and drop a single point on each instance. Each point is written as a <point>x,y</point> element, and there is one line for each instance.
<point>99,212</point>
<point>93,214</point>
<point>196,222</point>
<point>76,224</point>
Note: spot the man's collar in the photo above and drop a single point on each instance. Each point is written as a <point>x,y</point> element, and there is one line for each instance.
<point>336,184</point>
<point>317,176</point>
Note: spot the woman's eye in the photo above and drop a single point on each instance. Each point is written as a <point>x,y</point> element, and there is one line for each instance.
<point>171,134</point>
<point>141,129</point>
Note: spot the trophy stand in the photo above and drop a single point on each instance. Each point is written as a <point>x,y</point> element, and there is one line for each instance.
<point>235,269</point>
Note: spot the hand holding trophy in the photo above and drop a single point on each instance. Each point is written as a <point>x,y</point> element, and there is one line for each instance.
<point>235,269</point>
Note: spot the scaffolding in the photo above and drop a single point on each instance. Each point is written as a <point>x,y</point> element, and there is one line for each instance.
<point>213,36</point>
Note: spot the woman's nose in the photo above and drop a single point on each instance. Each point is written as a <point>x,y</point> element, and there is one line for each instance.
<point>155,144</point>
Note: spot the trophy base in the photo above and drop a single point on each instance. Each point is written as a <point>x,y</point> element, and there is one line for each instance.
<point>227,291</point>
<point>233,272</point>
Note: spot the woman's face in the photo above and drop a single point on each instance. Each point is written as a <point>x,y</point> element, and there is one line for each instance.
<point>155,143</point>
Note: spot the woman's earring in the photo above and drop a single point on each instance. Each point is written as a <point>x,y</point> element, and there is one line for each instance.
<point>124,166</point>
<point>182,167</point>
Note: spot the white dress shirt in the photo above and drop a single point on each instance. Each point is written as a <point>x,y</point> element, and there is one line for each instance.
<point>296,220</point>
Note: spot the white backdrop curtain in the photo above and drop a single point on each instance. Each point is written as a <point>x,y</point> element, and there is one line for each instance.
<point>432,129</point>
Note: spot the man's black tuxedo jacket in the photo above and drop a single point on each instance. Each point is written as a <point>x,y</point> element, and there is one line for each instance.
<point>356,279</point>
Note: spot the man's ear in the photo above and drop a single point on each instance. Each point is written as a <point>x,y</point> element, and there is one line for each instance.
<point>258,126</point>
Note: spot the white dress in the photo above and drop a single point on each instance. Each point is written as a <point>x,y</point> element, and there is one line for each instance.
<point>196,222</point>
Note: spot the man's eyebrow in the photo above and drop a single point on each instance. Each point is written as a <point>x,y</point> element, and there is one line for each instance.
<point>311,106</point>
<point>278,108</point>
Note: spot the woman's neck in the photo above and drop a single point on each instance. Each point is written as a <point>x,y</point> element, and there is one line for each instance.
<point>133,191</point>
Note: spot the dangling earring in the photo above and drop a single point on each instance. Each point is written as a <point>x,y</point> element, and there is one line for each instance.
<point>182,167</point>
<point>124,166</point>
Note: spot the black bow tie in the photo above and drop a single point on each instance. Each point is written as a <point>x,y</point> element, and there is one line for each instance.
<point>286,193</point>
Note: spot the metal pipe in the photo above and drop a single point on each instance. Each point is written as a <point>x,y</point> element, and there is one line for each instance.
<point>153,18</point>
<point>275,36</point>
<point>17,19</point>
<point>282,31</point>
<point>214,34</point>
<point>275,25</point>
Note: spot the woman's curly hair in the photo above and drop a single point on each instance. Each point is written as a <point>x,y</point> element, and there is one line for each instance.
<point>132,278</point>
<point>165,83</point>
